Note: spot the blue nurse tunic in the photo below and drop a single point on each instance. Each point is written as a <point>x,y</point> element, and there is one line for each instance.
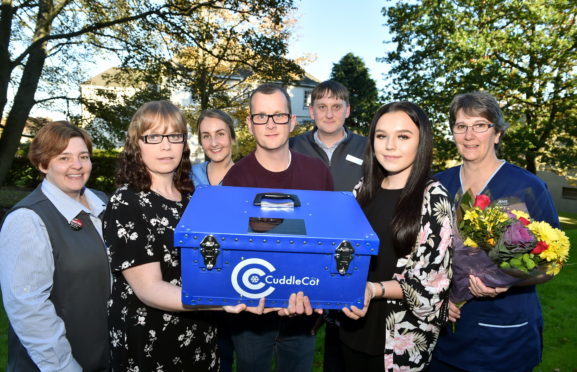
<point>503,333</point>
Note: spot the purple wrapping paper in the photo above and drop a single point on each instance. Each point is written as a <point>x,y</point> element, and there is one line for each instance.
<point>474,261</point>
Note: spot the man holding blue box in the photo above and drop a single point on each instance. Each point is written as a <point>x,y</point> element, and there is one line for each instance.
<point>273,165</point>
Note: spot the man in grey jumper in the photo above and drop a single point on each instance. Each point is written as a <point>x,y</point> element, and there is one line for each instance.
<point>342,151</point>
<point>339,148</point>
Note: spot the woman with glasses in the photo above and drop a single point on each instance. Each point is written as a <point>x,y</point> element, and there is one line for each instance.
<point>150,329</point>
<point>500,329</point>
<point>216,136</point>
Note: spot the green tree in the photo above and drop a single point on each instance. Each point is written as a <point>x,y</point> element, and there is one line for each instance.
<point>226,53</point>
<point>364,96</point>
<point>524,52</point>
<point>216,57</point>
<point>41,39</point>
<point>110,110</point>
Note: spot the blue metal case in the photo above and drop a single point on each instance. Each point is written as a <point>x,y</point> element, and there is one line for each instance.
<point>239,244</point>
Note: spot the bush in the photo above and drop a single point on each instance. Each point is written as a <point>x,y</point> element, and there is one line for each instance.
<point>23,175</point>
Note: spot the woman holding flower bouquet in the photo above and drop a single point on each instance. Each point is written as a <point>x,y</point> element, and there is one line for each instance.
<point>406,296</point>
<point>500,327</point>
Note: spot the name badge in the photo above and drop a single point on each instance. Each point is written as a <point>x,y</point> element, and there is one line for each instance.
<point>354,159</point>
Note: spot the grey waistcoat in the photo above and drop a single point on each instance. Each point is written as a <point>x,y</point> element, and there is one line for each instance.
<point>80,290</point>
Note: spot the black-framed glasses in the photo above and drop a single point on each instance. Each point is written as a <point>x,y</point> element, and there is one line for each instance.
<point>261,119</point>
<point>157,138</point>
<point>477,127</point>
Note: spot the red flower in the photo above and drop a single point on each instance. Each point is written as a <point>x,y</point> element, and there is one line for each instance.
<point>524,221</point>
<point>482,201</point>
<point>540,247</point>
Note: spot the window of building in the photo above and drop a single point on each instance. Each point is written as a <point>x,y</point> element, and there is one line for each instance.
<point>569,193</point>
<point>307,99</point>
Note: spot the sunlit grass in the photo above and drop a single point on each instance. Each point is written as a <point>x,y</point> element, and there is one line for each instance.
<point>559,303</point>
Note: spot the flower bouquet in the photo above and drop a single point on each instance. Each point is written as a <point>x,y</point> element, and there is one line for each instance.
<point>502,246</point>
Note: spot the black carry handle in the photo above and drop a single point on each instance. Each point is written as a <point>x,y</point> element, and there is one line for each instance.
<point>277,196</point>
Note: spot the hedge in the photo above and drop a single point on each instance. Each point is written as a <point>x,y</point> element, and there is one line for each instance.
<point>23,175</point>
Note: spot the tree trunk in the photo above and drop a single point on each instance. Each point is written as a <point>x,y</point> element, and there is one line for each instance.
<point>6,15</point>
<point>23,103</point>
<point>24,98</point>
<point>530,162</point>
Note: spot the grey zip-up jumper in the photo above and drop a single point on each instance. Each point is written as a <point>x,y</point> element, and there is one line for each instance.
<point>346,162</point>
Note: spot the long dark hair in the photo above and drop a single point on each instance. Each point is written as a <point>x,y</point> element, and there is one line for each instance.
<point>132,170</point>
<point>407,217</point>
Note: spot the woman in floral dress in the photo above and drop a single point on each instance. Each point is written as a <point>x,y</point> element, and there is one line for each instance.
<point>406,295</point>
<point>150,330</point>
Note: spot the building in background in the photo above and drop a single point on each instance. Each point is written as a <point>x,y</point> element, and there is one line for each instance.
<point>108,88</point>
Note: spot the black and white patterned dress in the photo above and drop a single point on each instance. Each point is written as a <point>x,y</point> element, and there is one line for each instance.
<point>138,229</point>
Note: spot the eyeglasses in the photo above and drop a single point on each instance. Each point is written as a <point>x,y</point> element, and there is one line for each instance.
<point>157,138</point>
<point>477,127</point>
<point>261,119</point>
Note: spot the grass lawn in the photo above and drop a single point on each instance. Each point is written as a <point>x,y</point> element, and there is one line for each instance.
<point>557,299</point>
<point>559,310</point>
<point>568,221</point>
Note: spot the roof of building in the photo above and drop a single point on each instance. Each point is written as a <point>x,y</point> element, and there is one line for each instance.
<point>112,78</point>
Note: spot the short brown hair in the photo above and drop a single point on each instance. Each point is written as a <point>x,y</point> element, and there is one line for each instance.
<point>132,170</point>
<point>52,139</point>
<point>268,89</point>
<point>330,88</point>
<point>479,103</point>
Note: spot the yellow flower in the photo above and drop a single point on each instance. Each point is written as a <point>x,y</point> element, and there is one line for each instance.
<point>520,214</point>
<point>491,242</point>
<point>471,215</point>
<point>503,217</point>
<point>556,239</point>
<point>549,254</point>
<point>553,269</point>
<point>470,243</point>
<point>542,231</point>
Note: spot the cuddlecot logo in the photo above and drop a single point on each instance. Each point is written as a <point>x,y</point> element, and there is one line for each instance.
<point>254,278</point>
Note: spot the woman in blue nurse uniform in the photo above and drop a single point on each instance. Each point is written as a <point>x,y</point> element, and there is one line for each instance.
<point>500,329</point>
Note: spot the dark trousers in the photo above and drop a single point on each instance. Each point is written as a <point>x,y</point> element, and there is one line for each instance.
<point>356,361</point>
<point>333,356</point>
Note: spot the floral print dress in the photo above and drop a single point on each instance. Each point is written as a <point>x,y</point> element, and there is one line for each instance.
<point>138,229</point>
<point>413,323</point>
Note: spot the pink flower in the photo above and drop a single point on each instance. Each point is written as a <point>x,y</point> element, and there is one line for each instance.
<point>482,201</point>
<point>446,237</point>
<point>388,361</point>
<point>397,368</point>
<point>403,342</point>
<point>424,233</point>
<point>437,282</point>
